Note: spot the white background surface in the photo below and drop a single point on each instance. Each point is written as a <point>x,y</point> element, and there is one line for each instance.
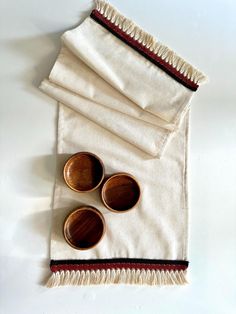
<point>204,32</point>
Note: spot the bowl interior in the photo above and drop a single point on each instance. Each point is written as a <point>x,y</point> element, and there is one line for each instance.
<point>84,228</point>
<point>121,192</point>
<point>83,172</point>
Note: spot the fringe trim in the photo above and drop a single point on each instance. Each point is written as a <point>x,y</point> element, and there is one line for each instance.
<point>148,41</point>
<point>117,276</point>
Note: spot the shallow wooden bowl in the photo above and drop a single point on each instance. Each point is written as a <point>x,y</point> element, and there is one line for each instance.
<point>84,228</point>
<point>84,172</point>
<point>120,192</point>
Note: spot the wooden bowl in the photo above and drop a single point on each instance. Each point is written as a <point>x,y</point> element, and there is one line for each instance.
<point>84,172</point>
<point>84,228</point>
<point>120,192</point>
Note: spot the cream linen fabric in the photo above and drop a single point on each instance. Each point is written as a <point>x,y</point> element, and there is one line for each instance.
<point>137,78</point>
<point>157,227</point>
<point>120,106</point>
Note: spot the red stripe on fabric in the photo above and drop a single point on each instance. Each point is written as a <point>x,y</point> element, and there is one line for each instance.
<point>165,66</point>
<point>55,268</point>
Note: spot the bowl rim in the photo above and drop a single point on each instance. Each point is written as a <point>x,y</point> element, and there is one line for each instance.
<point>104,186</point>
<point>83,208</point>
<point>74,156</point>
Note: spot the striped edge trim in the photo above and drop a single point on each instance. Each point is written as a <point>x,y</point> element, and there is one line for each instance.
<point>160,55</point>
<point>57,265</point>
<point>117,271</point>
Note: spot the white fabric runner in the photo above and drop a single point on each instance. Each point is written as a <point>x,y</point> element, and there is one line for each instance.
<point>117,104</point>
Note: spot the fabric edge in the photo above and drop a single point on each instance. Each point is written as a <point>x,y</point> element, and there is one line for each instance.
<point>117,276</point>
<point>149,42</point>
<point>186,188</point>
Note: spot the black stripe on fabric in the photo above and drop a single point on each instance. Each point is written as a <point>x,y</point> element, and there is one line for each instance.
<point>119,260</point>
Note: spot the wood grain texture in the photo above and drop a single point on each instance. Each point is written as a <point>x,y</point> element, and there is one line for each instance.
<point>120,192</point>
<point>84,172</point>
<point>84,228</point>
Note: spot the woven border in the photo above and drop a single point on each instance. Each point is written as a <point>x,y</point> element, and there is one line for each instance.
<point>160,55</point>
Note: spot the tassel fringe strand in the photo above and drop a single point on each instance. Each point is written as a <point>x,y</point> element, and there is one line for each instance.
<point>117,276</point>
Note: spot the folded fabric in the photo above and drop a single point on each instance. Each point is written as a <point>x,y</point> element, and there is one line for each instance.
<point>125,97</point>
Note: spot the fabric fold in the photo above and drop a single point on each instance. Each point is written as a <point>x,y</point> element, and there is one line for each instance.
<point>147,137</point>
<point>130,89</point>
<point>71,73</point>
<point>131,75</point>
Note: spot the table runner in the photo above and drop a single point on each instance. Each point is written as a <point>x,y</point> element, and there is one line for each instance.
<point>125,97</point>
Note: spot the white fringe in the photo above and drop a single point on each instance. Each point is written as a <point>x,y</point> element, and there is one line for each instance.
<point>117,276</point>
<point>147,40</point>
